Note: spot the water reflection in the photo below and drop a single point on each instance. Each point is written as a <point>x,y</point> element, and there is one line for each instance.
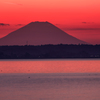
<point>50,66</point>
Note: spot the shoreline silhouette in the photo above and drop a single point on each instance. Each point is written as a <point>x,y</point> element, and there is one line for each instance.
<point>50,51</point>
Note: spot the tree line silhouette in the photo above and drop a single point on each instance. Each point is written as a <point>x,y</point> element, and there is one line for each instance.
<point>50,51</point>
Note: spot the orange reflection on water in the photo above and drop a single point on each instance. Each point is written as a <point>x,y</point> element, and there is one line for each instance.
<point>49,66</point>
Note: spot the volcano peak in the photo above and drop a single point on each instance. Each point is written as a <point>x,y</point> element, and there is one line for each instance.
<point>39,33</point>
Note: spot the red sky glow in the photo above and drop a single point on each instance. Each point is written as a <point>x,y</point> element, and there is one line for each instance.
<point>79,18</point>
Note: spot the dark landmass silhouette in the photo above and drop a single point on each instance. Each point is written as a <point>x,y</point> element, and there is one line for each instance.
<point>50,51</point>
<point>39,33</point>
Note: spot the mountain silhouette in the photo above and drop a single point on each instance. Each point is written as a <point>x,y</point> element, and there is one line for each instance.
<point>39,33</point>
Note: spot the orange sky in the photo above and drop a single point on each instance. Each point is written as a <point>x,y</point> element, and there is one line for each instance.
<point>73,16</point>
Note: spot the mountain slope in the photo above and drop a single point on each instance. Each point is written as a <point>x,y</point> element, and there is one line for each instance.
<point>37,33</point>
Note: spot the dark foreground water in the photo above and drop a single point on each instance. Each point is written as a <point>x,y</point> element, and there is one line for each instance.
<point>65,79</point>
<point>62,86</point>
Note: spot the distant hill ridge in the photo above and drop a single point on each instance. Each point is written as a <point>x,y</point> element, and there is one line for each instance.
<point>39,33</point>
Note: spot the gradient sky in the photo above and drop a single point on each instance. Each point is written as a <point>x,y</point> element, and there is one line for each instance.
<point>80,18</point>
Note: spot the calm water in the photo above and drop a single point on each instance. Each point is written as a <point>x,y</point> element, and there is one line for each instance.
<point>50,80</point>
<point>50,66</point>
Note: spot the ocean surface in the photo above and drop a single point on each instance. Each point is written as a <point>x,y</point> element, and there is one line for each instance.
<point>50,79</point>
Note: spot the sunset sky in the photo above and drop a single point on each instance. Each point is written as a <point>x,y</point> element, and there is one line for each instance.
<point>79,18</point>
